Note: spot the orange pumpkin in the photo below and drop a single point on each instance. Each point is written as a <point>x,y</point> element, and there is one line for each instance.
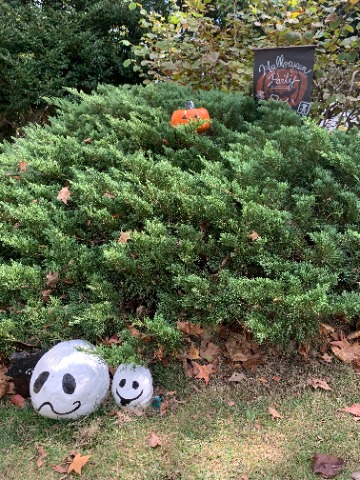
<point>191,114</point>
<point>286,84</point>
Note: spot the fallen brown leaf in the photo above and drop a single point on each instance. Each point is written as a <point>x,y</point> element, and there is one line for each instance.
<point>193,353</point>
<point>108,195</point>
<point>18,400</point>
<point>204,371</point>
<point>231,403</point>
<point>303,350</point>
<point>124,236</point>
<point>326,329</point>
<point>274,413</point>
<point>262,380</point>
<point>209,351</point>
<point>327,466</point>
<point>253,363</point>
<point>345,351</point>
<point>153,440</point>
<point>4,381</point>
<point>45,295</point>
<point>87,140</point>
<point>238,349</point>
<point>78,462</point>
<point>276,378</point>
<point>355,476</point>
<point>60,468</point>
<point>164,407</point>
<point>52,279</point>
<point>244,476</point>
<point>192,329</point>
<point>318,383</point>
<point>354,335</point>
<point>326,358</point>
<point>254,235</point>
<point>64,195</point>
<point>354,409</point>
<point>237,377</point>
<point>42,454</point>
<point>23,166</point>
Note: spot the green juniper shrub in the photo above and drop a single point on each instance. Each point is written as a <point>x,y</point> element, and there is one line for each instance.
<point>256,222</point>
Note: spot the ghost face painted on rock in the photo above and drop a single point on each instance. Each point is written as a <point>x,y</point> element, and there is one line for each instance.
<point>68,383</point>
<point>132,386</point>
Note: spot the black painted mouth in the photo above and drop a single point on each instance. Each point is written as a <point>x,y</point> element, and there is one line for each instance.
<point>61,413</point>
<point>126,401</point>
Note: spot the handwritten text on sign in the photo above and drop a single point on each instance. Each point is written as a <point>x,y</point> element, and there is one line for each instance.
<point>285,74</point>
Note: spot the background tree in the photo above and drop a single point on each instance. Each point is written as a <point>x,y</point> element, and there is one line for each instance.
<point>48,46</point>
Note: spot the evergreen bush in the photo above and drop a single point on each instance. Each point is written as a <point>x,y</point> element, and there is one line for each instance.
<point>111,220</point>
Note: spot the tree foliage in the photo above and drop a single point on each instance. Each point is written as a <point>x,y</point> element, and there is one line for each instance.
<point>193,46</point>
<point>48,46</point>
<point>111,219</point>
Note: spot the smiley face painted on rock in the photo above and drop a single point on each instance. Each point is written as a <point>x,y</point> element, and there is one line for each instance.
<point>132,386</point>
<point>67,382</point>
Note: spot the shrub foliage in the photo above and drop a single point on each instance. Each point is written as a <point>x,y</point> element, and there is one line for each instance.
<point>111,219</point>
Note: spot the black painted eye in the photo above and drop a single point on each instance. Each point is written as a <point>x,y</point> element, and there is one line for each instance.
<point>135,385</point>
<point>39,382</point>
<point>68,383</point>
<point>122,383</point>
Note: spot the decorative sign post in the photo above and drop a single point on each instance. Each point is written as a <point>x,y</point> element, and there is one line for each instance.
<point>285,74</point>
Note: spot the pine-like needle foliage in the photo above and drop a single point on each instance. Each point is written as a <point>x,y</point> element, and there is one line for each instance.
<point>111,218</point>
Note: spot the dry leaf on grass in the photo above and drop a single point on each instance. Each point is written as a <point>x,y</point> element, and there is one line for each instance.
<point>4,381</point>
<point>346,352</point>
<point>204,371</point>
<point>244,476</point>
<point>326,358</point>
<point>78,462</point>
<point>60,468</point>
<point>274,413</point>
<point>42,454</point>
<point>237,377</point>
<point>18,400</point>
<point>354,409</point>
<point>318,383</point>
<point>327,466</point>
<point>153,440</point>
<point>355,476</point>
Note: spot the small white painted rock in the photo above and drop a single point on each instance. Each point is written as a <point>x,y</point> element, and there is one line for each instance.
<point>132,386</point>
<point>68,383</point>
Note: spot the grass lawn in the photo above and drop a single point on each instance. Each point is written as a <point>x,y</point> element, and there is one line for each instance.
<point>219,431</point>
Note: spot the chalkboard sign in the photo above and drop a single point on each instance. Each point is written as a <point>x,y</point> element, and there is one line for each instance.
<point>285,74</point>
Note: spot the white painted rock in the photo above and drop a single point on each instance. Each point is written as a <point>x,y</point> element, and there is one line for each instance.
<point>68,383</point>
<point>132,386</point>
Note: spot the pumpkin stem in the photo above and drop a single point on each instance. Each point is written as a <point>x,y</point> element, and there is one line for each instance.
<point>189,105</point>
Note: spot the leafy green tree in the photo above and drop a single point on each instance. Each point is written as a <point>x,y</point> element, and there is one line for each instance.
<point>191,47</point>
